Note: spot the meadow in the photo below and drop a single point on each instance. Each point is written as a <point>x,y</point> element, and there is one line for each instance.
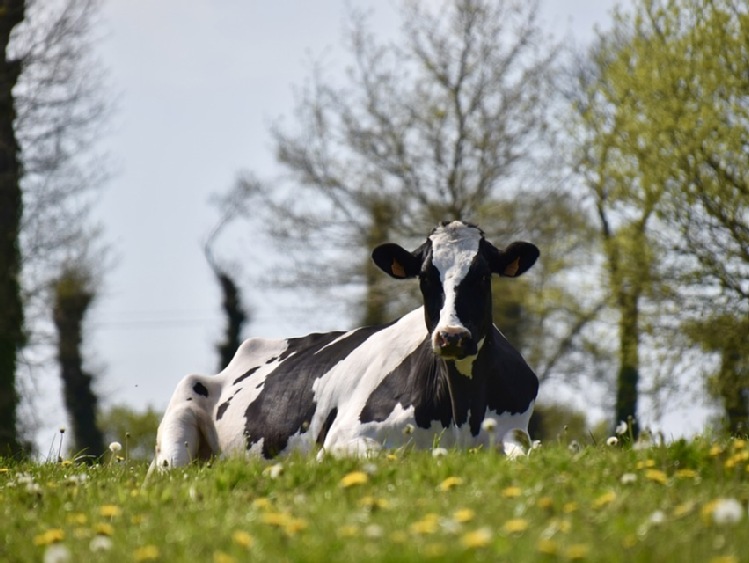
<point>685,501</point>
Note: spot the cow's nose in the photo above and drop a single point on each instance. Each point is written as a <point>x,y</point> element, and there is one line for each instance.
<point>452,341</point>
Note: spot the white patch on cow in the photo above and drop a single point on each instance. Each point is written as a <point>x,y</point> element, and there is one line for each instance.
<point>507,424</point>
<point>465,366</point>
<point>454,248</point>
<point>349,384</point>
<point>253,353</point>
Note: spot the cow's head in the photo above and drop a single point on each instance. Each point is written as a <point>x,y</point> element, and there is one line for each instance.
<point>454,267</point>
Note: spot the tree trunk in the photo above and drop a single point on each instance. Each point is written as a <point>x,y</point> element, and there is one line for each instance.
<point>72,300</point>
<point>11,209</point>
<point>629,366</point>
<point>231,303</point>
<point>375,305</point>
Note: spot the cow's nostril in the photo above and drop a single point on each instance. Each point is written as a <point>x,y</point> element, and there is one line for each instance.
<point>447,338</point>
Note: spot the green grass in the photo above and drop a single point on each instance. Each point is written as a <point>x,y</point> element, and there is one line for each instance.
<point>600,504</point>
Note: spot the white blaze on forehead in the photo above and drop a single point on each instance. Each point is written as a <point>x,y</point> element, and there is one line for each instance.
<point>454,248</point>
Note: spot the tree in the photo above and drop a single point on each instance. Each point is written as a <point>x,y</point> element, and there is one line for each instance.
<point>74,294</point>
<point>61,112</point>
<point>662,134</point>
<point>430,129</point>
<point>11,205</point>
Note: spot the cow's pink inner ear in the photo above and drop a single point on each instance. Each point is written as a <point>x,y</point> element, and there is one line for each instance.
<point>512,268</point>
<point>397,269</point>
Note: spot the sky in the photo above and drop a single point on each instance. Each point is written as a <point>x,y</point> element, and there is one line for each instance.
<point>199,83</point>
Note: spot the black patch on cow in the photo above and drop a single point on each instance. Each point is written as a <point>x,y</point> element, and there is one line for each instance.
<point>260,385</point>
<point>501,381</point>
<point>247,374</point>
<point>287,399</point>
<point>200,389</point>
<point>326,426</point>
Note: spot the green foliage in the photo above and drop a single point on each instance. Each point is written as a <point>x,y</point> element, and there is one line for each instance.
<point>684,502</point>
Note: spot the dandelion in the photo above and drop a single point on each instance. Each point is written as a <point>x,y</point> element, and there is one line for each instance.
<point>408,429</point>
<point>439,452</point>
<point>476,539</point>
<point>104,529</point>
<point>53,535</point>
<point>348,531</point>
<point>657,517</point>
<point>242,539</point>
<point>570,507</point>
<point>656,475</point>
<point>261,503</point>
<point>77,518</point>
<point>274,471</point>
<point>146,553</point>
<point>464,515</point>
<point>426,526</point>
<point>56,553</point>
<point>512,492</point>
<point>489,425</point>
<point>725,559</point>
<point>645,464</point>
<point>686,474</point>
<point>374,503</point>
<point>547,547</point>
<point>110,511</point>
<point>516,526</point>
<point>115,447</point>
<point>682,510</point>
<point>545,502</point>
<point>723,511</point>
<point>621,428</point>
<point>612,441</point>
<point>739,444</point>
<point>449,483</point>
<point>628,479</point>
<point>604,500</point>
<point>100,543</point>
<point>354,478</point>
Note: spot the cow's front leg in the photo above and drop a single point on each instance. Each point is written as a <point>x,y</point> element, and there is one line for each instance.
<point>187,431</point>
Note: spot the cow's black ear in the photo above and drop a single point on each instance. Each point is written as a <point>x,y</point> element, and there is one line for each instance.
<point>513,261</point>
<point>397,261</point>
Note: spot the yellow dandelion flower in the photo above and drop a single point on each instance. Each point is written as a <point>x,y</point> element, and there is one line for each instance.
<point>66,463</point>
<point>645,464</point>
<point>348,531</point>
<point>577,551</point>
<point>4,470</point>
<point>295,525</point>
<point>221,557</point>
<point>463,515</point>
<point>242,538</point>
<point>354,478</point>
<point>53,535</point>
<point>261,503</point>
<point>76,518</point>
<point>391,457</point>
<point>725,559</point>
<point>739,444</point>
<point>512,492</point>
<point>545,502</point>
<point>683,509</point>
<point>516,526</point>
<point>104,529</point>
<point>110,511</point>
<point>604,500</point>
<point>686,474</point>
<point>716,450</point>
<point>450,483</point>
<point>146,553</point>
<point>547,547</point>
<point>570,507</point>
<point>426,526</point>
<point>476,539</point>
<point>656,475</point>
<point>278,519</point>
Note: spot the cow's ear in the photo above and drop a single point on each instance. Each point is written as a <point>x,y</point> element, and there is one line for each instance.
<point>513,261</point>
<point>397,261</point>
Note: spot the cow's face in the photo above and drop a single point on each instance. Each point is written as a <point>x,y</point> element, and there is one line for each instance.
<point>454,268</point>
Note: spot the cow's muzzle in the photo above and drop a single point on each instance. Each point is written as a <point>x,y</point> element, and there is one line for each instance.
<point>453,343</point>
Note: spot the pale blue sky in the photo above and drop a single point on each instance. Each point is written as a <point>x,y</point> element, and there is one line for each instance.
<point>200,82</point>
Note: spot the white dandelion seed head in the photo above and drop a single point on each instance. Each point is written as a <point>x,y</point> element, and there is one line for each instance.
<point>408,429</point>
<point>489,424</point>
<point>115,447</point>
<point>727,511</point>
<point>628,478</point>
<point>612,441</point>
<point>56,553</point>
<point>439,452</point>
<point>621,428</point>
<point>100,543</point>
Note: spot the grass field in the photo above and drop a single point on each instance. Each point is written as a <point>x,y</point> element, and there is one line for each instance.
<point>683,502</point>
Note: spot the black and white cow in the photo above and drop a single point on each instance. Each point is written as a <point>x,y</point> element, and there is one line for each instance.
<point>431,376</point>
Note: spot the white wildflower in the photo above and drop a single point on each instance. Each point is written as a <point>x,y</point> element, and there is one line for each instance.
<point>628,478</point>
<point>274,471</point>
<point>657,517</point>
<point>612,441</point>
<point>56,553</point>
<point>489,425</point>
<point>439,452</point>
<point>621,428</point>
<point>100,543</point>
<point>408,429</point>
<point>115,447</point>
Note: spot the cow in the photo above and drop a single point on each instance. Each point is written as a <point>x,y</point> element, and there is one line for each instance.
<point>430,377</point>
